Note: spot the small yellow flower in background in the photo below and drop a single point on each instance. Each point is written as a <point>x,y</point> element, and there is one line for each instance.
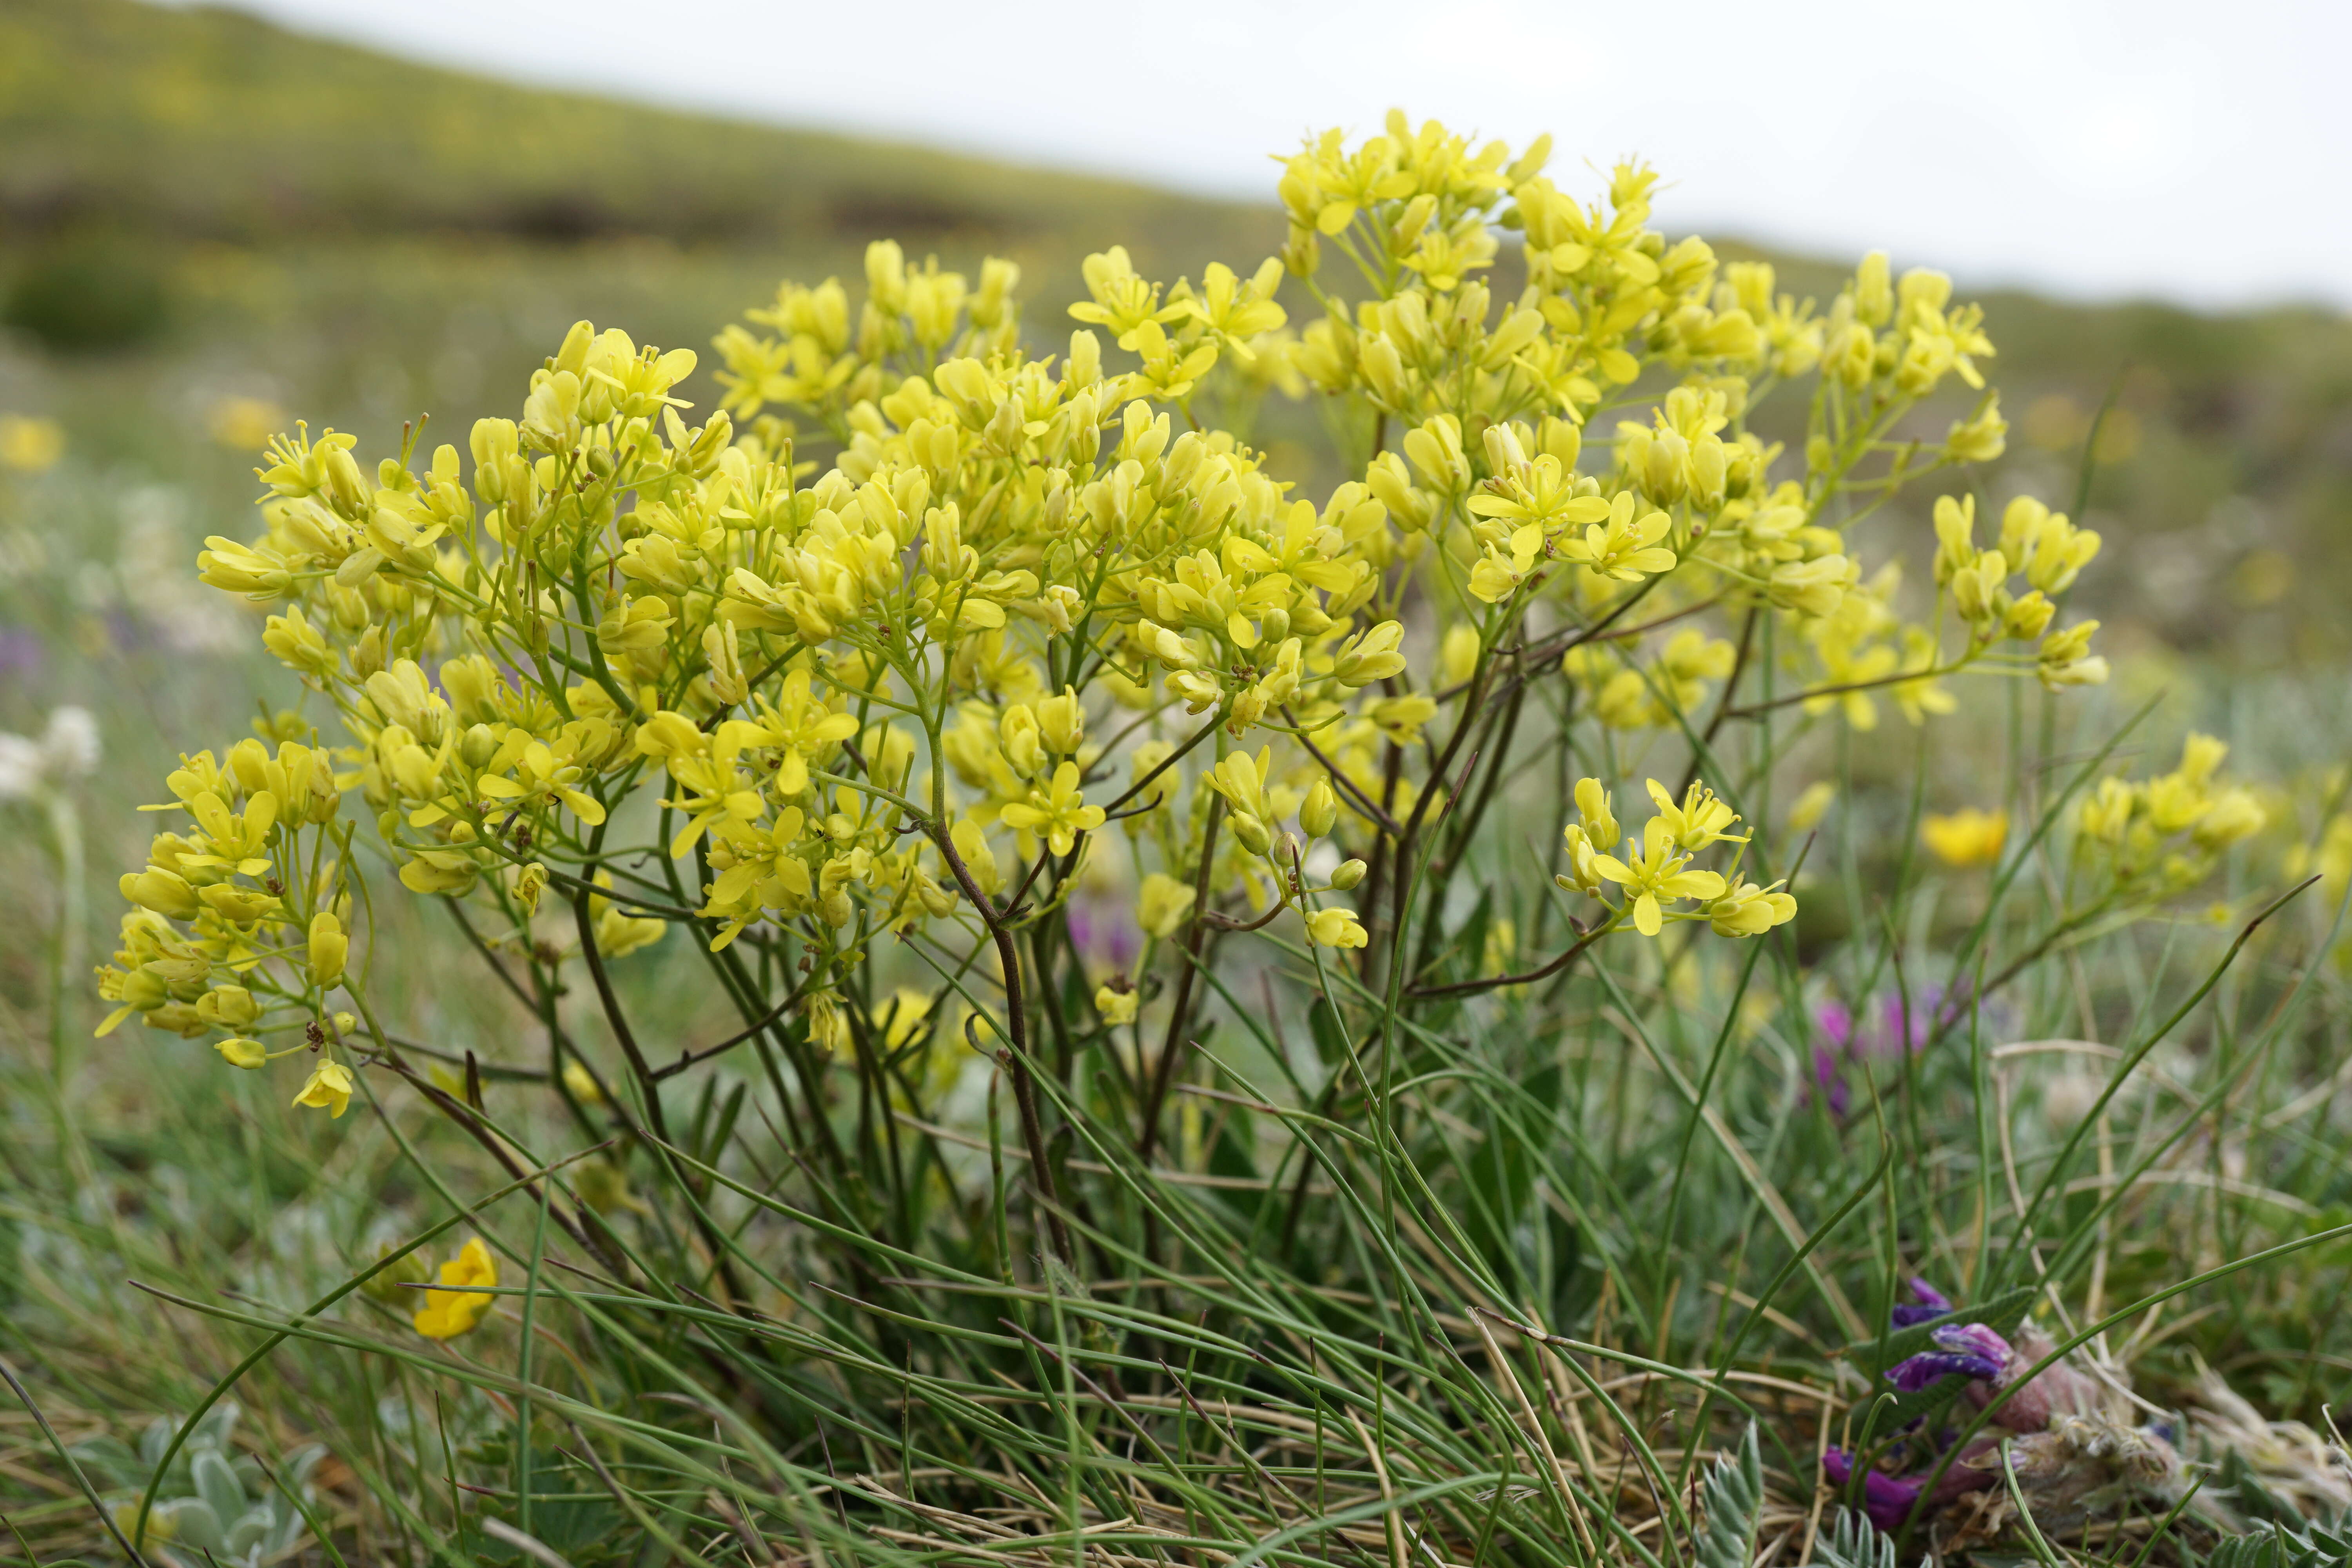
<point>246,424</point>
<point>605,1187</point>
<point>1811,805</point>
<point>242,1053</point>
<point>581,1083</point>
<point>1162,904</point>
<point>30,445</point>
<point>455,1306</point>
<point>1117,1002</point>
<point>1968,836</point>
<point>908,1010</point>
<point>329,1089</point>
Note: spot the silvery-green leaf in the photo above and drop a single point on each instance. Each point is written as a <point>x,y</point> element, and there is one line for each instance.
<point>301,1462</point>
<point>218,1484</point>
<point>194,1524</point>
<point>154,1441</point>
<point>249,1532</point>
<point>218,1422</point>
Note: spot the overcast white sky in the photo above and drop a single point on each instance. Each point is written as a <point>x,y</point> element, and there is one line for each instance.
<point>2195,152</point>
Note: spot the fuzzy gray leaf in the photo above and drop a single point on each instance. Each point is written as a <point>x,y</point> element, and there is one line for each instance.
<point>1853,1542</point>
<point>1734,1508</point>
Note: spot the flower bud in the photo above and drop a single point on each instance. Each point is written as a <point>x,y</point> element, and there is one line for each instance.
<point>1349,874</point>
<point>227,1007</point>
<point>165,892</point>
<point>1320,811</point>
<point>329,948</point>
<point>390,1284</point>
<point>242,1053</point>
<point>1062,723</point>
<point>479,745</point>
<point>1252,832</point>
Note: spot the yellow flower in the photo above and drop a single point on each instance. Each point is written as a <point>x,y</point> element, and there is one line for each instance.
<point>1335,928</point>
<point>1117,1002</point>
<point>1625,547</point>
<point>1161,905</point>
<point>1811,804</point>
<point>1966,837</point>
<point>581,1083</point>
<point>1057,812</point>
<point>457,1305</point>
<point>246,424</point>
<point>329,1089</point>
<point>908,1010</point>
<point>30,445</point>
<point>1747,909</point>
<point>1653,873</point>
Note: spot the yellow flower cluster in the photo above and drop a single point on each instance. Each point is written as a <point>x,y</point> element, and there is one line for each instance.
<point>2163,835</point>
<point>1027,594</point>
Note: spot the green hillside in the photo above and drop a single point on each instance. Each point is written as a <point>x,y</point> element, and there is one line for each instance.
<point>208,123</point>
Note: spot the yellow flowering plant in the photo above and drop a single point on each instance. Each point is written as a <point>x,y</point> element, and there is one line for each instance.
<point>903,691</point>
<point>962,694</point>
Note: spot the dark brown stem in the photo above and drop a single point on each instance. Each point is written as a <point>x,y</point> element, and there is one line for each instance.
<point>1468,987</point>
<point>611,1002</point>
<point>1016,1059</point>
<point>1897,679</point>
<point>1164,1070</point>
<point>689,1059</point>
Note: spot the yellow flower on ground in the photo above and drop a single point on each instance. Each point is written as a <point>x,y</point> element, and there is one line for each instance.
<point>329,1089</point>
<point>456,1306</point>
<point>30,445</point>
<point>1966,837</point>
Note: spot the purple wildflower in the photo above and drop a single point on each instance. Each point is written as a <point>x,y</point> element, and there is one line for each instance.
<point>1970,1350</point>
<point>1829,1082</point>
<point>1932,1304</point>
<point>21,653</point>
<point>1887,1500</point>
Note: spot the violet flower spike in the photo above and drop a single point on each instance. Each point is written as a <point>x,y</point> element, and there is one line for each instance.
<point>1969,1349</point>
<point>1932,1304</point>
